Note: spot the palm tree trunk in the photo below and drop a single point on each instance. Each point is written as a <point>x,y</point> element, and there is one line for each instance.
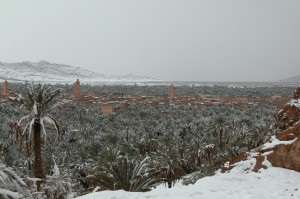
<point>38,163</point>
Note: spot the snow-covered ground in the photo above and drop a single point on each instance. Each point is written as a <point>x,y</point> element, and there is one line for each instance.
<point>270,183</point>
<point>239,183</point>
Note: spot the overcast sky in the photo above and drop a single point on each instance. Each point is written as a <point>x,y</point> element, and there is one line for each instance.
<point>196,40</point>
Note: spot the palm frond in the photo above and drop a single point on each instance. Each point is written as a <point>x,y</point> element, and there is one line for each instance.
<point>26,127</point>
<point>44,131</point>
<point>53,122</point>
<point>58,104</point>
<point>23,119</point>
<point>9,180</point>
<point>129,175</point>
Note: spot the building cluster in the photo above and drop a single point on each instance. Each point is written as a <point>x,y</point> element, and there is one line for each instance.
<point>111,103</point>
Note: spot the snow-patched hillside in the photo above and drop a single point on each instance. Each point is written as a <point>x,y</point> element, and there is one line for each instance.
<point>57,73</point>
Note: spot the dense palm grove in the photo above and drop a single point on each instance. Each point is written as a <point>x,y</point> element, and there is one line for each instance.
<point>135,149</point>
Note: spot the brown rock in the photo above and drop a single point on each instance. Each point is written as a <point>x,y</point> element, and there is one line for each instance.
<point>259,165</point>
<point>297,93</point>
<point>286,156</point>
<point>290,133</point>
<point>290,114</point>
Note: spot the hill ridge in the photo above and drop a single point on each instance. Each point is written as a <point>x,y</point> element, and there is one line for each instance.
<point>291,79</point>
<point>44,71</point>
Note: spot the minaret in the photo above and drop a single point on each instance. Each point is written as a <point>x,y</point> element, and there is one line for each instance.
<point>77,89</point>
<point>172,91</point>
<point>5,88</point>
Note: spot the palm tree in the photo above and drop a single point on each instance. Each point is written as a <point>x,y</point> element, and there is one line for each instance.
<point>219,126</point>
<point>129,175</point>
<point>37,102</point>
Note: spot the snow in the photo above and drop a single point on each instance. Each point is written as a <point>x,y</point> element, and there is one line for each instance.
<point>9,194</point>
<point>266,163</point>
<point>294,102</point>
<point>240,182</point>
<point>245,166</point>
<point>270,183</point>
<point>210,146</point>
<point>274,141</point>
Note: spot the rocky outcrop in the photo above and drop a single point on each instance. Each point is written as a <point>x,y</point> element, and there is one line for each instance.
<point>284,149</point>
<point>291,133</point>
<point>297,93</point>
<point>286,156</point>
<point>290,113</point>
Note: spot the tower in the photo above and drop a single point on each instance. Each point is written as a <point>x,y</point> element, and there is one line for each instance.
<point>77,89</point>
<point>5,88</point>
<point>172,91</point>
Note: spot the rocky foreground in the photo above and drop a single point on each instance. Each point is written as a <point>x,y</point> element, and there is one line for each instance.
<point>284,148</point>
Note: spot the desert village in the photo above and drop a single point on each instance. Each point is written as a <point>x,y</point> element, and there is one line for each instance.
<point>111,103</point>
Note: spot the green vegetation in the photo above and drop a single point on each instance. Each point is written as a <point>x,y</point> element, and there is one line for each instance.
<point>132,150</point>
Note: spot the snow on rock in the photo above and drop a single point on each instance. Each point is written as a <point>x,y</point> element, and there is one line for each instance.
<point>246,165</point>
<point>274,142</point>
<point>266,162</point>
<point>297,93</point>
<point>294,102</point>
<point>290,114</point>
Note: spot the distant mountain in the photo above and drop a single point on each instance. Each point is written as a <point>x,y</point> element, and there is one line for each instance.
<point>292,79</point>
<point>44,71</point>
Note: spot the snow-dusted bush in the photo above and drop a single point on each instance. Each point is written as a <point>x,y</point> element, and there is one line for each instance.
<point>11,185</point>
<point>129,175</point>
<point>57,186</point>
